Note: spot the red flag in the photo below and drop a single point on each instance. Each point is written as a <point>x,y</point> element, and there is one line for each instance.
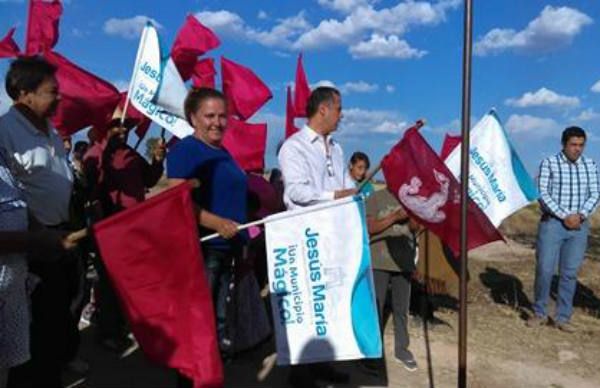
<point>430,193</point>
<point>204,73</point>
<point>450,142</point>
<point>157,270</point>
<point>42,26</point>
<point>245,92</point>
<point>290,128</point>
<point>246,143</point>
<point>301,90</point>
<point>85,98</point>
<point>193,39</point>
<point>8,46</point>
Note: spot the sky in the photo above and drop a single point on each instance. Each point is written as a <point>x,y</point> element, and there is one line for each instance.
<point>537,62</point>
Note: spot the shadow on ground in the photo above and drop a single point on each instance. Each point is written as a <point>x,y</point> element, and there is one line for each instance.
<point>107,370</point>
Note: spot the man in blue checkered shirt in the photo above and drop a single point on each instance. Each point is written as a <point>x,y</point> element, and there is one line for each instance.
<point>569,193</point>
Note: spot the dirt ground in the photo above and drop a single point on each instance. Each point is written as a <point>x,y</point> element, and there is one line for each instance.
<point>502,351</point>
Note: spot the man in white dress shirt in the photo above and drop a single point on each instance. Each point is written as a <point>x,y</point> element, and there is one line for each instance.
<point>314,171</point>
<point>312,162</point>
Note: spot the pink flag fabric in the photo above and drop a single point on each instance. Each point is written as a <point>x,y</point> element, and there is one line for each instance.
<point>42,26</point>
<point>193,39</point>
<point>8,46</point>
<point>290,128</point>
<point>246,143</point>
<point>301,90</point>
<point>152,255</point>
<point>431,195</point>
<point>245,92</point>
<point>450,142</point>
<point>86,100</point>
<point>204,73</point>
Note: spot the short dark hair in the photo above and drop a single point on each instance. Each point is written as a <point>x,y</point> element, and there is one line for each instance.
<point>26,74</point>
<point>81,145</point>
<point>195,97</point>
<point>318,96</point>
<point>358,156</point>
<point>572,132</point>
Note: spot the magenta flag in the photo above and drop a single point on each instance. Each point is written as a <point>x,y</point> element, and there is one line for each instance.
<point>42,26</point>
<point>193,39</point>
<point>245,92</point>
<point>86,100</point>
<point>246,143</point>
<point>204,73</point>
<point>450,142</point>
<point>152,254</point>
<point>290,128</point>
<point>301,90</point>
<point>8,46</point>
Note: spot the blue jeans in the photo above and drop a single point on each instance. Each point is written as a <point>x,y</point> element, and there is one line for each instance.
<point>558,245</point>
<point>219,271</point>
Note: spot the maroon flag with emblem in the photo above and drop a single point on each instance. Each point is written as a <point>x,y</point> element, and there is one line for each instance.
<point>431,195</point>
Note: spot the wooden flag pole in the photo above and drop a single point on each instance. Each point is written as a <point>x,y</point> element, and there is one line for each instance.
<point>464,196</point>
<point>418,124</point>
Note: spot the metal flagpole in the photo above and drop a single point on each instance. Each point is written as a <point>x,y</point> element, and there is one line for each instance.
<point>464,185</point>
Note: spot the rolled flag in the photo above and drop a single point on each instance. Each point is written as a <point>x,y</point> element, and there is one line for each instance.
<point>156,88</point>
<point>498,181</point>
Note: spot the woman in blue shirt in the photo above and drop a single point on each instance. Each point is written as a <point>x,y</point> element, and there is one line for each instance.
<point>221,195</point>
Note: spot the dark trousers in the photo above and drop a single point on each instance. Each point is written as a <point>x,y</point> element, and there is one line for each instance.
<point>109,316</point>
<point>218,264</point>
<point>54,332</point>
<point>400,293</point>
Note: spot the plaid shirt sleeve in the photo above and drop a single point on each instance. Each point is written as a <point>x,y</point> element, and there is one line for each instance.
<point>544,186</point>
<point>594,191</point>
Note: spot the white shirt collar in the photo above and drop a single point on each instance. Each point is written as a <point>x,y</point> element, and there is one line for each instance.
<point>313,136</point>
